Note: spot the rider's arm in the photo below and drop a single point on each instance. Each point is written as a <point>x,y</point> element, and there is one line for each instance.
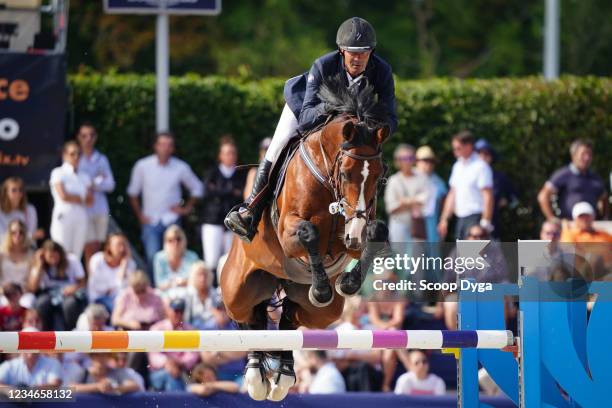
<point>312,108</point>
<point>387,97</point>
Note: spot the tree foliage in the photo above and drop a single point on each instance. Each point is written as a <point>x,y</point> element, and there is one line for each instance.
<point>420,38</point>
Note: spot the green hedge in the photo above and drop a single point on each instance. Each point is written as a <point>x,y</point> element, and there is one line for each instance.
<point>530,122</point>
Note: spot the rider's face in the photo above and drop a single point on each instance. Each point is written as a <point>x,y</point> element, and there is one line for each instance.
<point>356,62</point>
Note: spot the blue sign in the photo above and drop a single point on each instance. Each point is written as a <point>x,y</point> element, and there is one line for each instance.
<point>203,7</point>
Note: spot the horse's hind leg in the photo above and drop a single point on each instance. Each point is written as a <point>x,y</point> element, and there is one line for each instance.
<point>255,374</point>
<point>284,376</point>
<point>321,293</point>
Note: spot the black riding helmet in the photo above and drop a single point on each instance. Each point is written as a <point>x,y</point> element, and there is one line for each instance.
<point>356,35</point>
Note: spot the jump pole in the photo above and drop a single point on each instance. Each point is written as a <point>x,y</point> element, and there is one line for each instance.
<point>259,340</point>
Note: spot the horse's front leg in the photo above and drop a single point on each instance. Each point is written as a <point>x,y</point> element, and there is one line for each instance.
<point>349,283</point>
<point>321,293</point>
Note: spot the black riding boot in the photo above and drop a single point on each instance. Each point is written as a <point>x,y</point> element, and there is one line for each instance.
<point>243,220</point>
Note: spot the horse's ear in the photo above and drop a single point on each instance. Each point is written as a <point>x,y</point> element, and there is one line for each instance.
<point>348,131</point>
<point>382,134</point>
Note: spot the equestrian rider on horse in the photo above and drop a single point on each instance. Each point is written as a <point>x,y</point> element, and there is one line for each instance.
<point>303,111</point>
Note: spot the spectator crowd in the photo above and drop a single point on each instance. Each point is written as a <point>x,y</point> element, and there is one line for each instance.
<point>85,277</point>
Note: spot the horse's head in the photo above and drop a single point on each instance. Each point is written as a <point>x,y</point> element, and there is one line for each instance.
<point>357,169</point>
<point>357,137</point>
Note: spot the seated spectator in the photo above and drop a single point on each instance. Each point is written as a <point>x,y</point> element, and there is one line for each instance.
<point>583,230</point>
<point>418,380</point>
<point>120,360</point>
<point>327,379</point>
<point>171,264</point>
<point>205,383</point>
<point>16,254</point>
<point>387,316</point>
<point>137,307</point>
<point>361,369</point>
<point>168,368</point>
<point>594,260</point>
<point>204,308</point>
<point>101,378</point>
<point>229,364</point>
<point>72,195</point>
<point>549,231</point>
<point>109,271</point>
<point>32,320</point>
<point>13,314</point>
<point>58,280</point>
<point>31,370</point>
<point>94,318</point>
<point>496,272</point>
<point>14,206</point>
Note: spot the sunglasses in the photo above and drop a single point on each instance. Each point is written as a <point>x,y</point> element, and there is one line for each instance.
<point>406,158</point>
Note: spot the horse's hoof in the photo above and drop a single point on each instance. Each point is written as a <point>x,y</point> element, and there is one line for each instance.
<point>343,288</point>
<point>320,300</point>
<point>258,387</point>
<point>280,389</point>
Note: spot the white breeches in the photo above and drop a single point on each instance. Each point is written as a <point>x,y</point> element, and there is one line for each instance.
<point>216,241</point>
<point>286,127</point>
<point>69,229</point>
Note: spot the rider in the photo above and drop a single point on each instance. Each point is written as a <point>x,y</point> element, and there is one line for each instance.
<point>304,110</point>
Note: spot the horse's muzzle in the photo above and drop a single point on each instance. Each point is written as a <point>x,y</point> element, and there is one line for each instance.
<point>352,243</point>
<point>354,238</point>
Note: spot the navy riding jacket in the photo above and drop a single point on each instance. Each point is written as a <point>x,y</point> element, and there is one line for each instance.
<point>301,92</point>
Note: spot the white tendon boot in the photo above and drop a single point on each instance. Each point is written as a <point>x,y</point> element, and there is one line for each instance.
<point>282,381</point>
<point>258,385</point>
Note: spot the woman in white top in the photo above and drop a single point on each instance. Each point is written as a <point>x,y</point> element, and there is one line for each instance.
<point>58,280</point>
<point>109,271</point>
<point>16,254</point>
<point>406,194</point>
<point>72,195</point>
<point>14,205</point>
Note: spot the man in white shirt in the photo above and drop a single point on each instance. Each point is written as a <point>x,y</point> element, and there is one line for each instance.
<point>158,178</point>
<point>96,166</point>
<point>418,380</point>
<point>327,379</point>
<point>470,197</point>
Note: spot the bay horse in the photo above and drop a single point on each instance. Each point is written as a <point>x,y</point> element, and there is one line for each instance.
<point>332,177</point>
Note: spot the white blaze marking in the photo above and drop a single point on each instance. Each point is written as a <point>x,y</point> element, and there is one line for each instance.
<point>361,204</point>
<point>357,224</point>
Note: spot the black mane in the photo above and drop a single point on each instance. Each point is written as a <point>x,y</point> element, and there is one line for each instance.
<point>358,101</point>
